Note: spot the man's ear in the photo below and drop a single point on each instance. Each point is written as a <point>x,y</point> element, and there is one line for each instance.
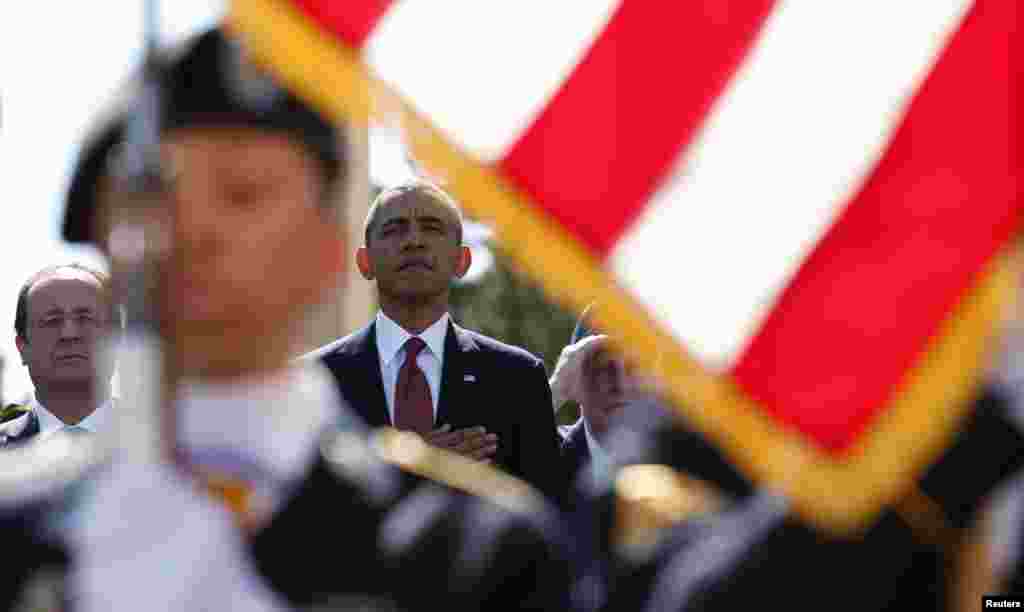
<point>363,263</point>
<point>465,261</point>
<point>22,345</point>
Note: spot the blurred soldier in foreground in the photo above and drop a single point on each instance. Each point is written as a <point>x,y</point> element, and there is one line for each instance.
<point>755,551</point>
<point>63,315</point>
<point>659,546</point>
<point>298,508</point>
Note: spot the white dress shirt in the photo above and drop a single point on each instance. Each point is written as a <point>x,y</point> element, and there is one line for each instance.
<point>269,426</point>
<point>600,461</point>
<point>391,338</point>
<point>49,422</point>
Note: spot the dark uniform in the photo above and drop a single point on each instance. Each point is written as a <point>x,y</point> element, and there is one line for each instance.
<point>756,554</point>
<point>369,527</point>
<point>465,538</point>
<point>378,521</point>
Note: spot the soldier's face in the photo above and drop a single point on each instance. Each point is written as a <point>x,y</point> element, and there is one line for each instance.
<point>67,320</point>
<point>414,250</point>
<point>251,246</point>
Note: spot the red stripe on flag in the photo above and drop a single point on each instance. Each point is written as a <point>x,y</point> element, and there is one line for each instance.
<point>351,20</point>
<point>936,208</point>
<point>597,151</point>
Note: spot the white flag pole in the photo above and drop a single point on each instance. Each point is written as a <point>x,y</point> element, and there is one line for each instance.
<point>138,240</point>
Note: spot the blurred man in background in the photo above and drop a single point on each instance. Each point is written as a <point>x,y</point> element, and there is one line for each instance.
<point>600,381</point>
<point>64,314</point>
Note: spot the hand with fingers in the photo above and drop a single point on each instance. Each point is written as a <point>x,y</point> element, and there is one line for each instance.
<point>472,442</point>
<point>567,380</point>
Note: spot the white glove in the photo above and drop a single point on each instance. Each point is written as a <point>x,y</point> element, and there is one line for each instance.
<point>567,380</point>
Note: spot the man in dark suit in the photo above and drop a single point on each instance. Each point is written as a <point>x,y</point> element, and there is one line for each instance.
<point>600,381</point>
<point>415,369</point>
<point>64,314</point>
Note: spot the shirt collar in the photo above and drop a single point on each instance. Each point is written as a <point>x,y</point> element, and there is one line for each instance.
<point>391,337</point>
<point>592,443</point>
<point>274,421</point>
<point>600,460</point>
<point>95,422</point>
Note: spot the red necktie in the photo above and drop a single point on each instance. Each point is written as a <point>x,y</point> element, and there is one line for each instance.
<point>414,409</point>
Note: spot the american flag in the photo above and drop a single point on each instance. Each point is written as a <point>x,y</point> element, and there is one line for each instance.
<point>798,211</point>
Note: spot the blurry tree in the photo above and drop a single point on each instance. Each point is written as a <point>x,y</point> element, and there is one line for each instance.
<point>512,308</point>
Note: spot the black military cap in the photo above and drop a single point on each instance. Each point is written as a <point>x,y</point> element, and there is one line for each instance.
<point>209,82</point>
<point>90,167</point>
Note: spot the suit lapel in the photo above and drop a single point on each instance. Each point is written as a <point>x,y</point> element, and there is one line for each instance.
<point>458,345</point>
<point>360,379</point>
<point>582,444</point>
<point>577,449</point>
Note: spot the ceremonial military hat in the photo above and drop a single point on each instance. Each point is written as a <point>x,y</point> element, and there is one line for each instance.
<point>90,168</point>
<point>208,82</point>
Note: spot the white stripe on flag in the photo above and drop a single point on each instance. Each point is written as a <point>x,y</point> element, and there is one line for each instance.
<point>807,117</point>
<point>483,70</point>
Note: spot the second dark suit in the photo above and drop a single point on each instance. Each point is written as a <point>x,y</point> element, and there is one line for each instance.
<point>574,449</point>
<point>483,383</point>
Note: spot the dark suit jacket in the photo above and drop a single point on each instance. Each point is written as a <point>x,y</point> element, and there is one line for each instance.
<point>483,383</point>
<point>574,448</point>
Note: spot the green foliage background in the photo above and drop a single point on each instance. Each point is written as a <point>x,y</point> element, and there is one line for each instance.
<point>512,308</point>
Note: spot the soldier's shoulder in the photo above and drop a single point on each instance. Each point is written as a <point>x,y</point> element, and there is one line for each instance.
<point>411,454</point>
<point>472,531</point>
<point>348,456</point>
<point>652,500</point>
<point>386,468</point>
<point>13,411</point>
<point>47,470</point>
<point>18,424</point>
